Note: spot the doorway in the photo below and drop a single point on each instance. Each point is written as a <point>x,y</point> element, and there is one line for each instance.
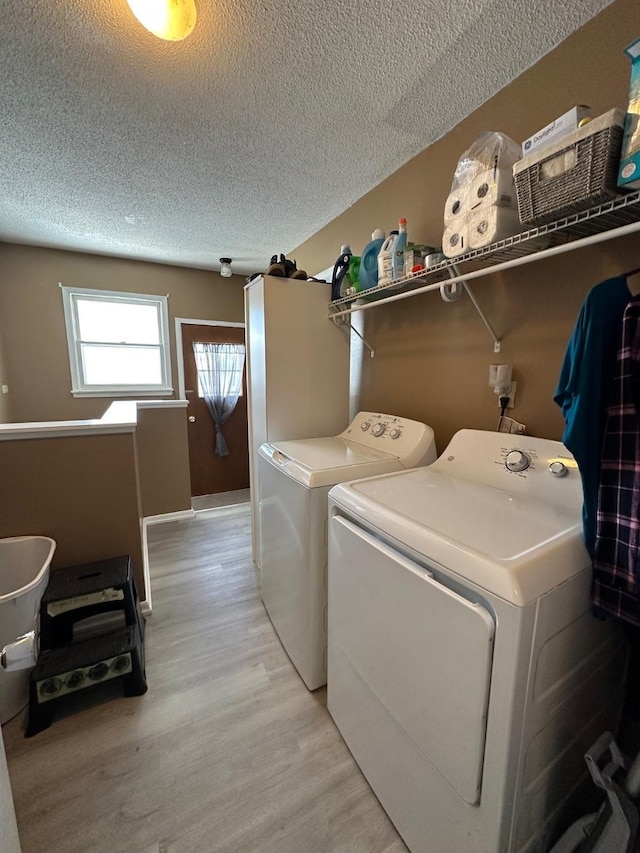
<point>210,473</point>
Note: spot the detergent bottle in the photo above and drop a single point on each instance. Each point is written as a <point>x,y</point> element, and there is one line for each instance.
<point>351,282</point>
<point>391,256</point>
<point>340,270</point>
<point>397,266</point>
<point>368,274</point>
<point>385,258</point>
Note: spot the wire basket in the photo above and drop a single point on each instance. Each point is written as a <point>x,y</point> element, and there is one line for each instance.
<point>567,179</point>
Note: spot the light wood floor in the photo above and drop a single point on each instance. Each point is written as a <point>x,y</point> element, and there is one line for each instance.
<point>226,753</point>
<point>239,496</point>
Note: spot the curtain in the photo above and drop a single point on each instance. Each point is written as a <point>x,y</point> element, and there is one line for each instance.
<point>220,368</point>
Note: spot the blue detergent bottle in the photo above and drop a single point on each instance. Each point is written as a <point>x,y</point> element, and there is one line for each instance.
<point>368,275</point>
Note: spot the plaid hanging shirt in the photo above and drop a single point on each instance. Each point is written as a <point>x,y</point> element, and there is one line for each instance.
<point>616,578</point>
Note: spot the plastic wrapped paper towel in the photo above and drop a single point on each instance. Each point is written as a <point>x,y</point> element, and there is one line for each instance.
<point>454,241</point>
<point>456,208</point>
<point>489,224</point>
<point>481,207</point>
<point>492,186</point>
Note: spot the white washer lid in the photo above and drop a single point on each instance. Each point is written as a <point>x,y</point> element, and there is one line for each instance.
<point>318,462</point>
<point>515,546</point>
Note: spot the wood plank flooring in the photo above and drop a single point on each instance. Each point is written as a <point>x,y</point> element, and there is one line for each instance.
<point>227,752</point>
<point>221,499</point>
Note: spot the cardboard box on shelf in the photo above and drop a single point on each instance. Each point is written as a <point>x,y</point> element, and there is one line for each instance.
<point>629,171</point>
<point>566,123</point>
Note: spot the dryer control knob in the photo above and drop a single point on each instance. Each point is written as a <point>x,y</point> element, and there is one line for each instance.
<point>365,425</point>
<point>517,460</point>
<point>395,433</point>
<point>379,429</point>
<point>558,469</point>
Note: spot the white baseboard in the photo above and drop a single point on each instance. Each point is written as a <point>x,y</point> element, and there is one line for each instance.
<point>181,515</point>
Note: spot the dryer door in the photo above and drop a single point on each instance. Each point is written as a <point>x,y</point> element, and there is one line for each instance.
<point>423,651</point>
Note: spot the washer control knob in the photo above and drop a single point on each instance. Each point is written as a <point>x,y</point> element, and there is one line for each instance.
<point>365,425</point>
<point>517,460</point>
<point>378,429</point>
<point>558,469</point>
<point>395,433</point>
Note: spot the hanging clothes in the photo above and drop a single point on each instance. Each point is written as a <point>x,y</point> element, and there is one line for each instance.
<point>616,567</point>
<point>584,387</point>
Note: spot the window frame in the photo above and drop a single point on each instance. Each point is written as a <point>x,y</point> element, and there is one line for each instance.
<point>79,387</point>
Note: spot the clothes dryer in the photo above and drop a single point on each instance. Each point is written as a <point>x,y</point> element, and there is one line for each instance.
<point>466,672</point>
<point>295,478</point>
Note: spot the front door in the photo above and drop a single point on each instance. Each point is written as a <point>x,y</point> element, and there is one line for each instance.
<point>210,473</point>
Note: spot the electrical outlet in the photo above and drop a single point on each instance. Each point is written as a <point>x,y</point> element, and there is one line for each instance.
<point>512,396</point>
<point>5,389</point>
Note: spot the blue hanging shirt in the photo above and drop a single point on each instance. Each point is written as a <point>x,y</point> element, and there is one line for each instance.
<point>584,387</point>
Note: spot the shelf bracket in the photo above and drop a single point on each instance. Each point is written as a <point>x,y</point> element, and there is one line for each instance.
<point>454,272</point>
<point>343,321</point>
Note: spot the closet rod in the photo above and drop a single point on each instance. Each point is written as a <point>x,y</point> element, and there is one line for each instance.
<point>582,242</point>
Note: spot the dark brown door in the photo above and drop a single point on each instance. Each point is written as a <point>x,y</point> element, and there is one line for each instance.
<point>211,474</point>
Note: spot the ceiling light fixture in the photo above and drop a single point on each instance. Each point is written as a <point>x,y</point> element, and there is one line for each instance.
<point>225,267</point>
<point>171,20</point>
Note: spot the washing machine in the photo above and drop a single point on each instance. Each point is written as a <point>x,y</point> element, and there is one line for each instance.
<point>295,478</point>
<point>466,672</point>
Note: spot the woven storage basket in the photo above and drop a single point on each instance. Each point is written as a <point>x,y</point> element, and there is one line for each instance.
<point>578,172</point>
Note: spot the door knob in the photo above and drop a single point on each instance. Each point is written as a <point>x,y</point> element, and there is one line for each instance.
<point>192,419</point>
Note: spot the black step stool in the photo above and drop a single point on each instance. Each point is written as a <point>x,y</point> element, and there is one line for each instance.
<point>88,598</point>
<point>68,669</point>
<point>91,630</point>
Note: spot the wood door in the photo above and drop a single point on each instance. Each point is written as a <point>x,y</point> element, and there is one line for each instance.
<point>211,474</point>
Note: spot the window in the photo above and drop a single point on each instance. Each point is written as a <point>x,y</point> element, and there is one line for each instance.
<point>118,342</point>
<point>220,368</point>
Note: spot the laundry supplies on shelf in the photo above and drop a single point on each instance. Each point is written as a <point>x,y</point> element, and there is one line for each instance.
<point>391,255</point>
<point>340,280</point>
<point>418,257</point>
<point>573,174</point>
<point>566,123</point>
<point>629,174</point>
<point>481,207</point>
<point>368,274</point>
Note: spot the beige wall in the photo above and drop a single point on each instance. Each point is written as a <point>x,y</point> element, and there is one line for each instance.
<point>432,358</point>
<point>163,460</point>
<point>5,416</point>
<point>32,322</point>
<point>82,491</point>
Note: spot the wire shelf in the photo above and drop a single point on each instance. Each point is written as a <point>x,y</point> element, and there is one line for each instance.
<point>608,216</point>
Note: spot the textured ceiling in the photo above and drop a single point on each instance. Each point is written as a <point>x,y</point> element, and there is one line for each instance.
<point>246,138</point>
